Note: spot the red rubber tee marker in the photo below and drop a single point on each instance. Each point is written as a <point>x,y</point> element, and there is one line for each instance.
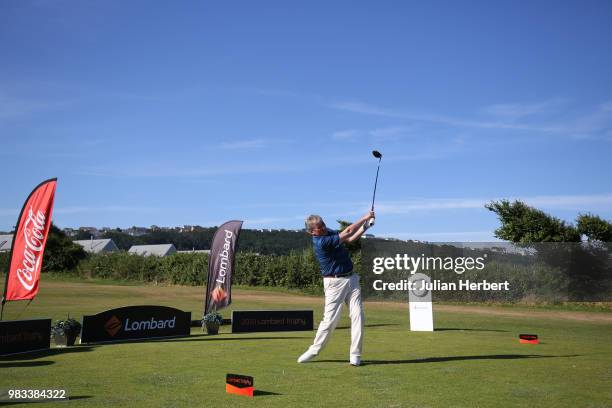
<point>529,339</point>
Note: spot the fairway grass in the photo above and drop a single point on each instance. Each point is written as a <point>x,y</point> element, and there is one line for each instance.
<point>473,359</point>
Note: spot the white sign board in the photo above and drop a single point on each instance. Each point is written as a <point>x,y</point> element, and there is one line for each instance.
<point>419,304</point>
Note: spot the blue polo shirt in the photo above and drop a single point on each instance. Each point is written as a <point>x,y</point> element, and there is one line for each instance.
<point>333,257</point>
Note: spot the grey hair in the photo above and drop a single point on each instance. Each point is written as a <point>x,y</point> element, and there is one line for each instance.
<point>312,221</point>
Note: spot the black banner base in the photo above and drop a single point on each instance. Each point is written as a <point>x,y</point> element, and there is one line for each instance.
<point>24,336</point>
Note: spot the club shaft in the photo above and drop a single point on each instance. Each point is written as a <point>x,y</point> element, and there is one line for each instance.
<point>375,184</point>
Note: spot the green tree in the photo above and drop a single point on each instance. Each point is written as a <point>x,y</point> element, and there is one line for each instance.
<point>594,228</point>
<point>522,224</point>
<point>61,254</point>
<point>585,267</point>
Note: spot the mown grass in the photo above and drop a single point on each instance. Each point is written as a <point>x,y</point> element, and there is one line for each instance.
<point>473,359</point>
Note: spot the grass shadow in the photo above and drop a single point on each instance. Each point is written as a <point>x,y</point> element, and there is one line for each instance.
<point>52,352</point>
<point>15,364</point>
<point>197,337</point>
<point>207,337</point>
<point>67,400</point>
<point>460,329</point>
<point>368,325</point>
<point>450,358</point>
<point>79,397</point>
<point>261,393</point>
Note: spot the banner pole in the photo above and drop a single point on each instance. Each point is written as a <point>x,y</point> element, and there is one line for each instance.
<point>8,271</point>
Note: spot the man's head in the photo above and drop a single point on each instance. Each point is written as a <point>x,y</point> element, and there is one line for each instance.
<point>315,225</point>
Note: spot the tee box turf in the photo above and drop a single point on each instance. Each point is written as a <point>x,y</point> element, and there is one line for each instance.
<point>239,384</point>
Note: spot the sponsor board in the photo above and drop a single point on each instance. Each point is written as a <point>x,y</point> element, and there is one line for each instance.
<point>135,322</point>
<point>21,336</point>
<point>245,321</point>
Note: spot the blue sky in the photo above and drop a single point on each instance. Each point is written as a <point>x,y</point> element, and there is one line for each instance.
<point>198,112</point>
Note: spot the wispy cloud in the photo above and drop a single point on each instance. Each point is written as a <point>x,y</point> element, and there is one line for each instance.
<point>358,107</point>
<point>547,202</point>
<point>560,202</point>
<point>571,202</point>
<point>13,107</point>
<point>104,209</point>
<point>135,96</point>
<point>9,212</point>
<point>552,116</point>
<point>171,169</point>
<point>347,134</point>
<point>13,212</point>
<point>390,133</point>
<point>377,135</point>
<point>514,111</point>
<point>247,144</point>
<point>252,222</point>
<point>448,236</point>
<point>61,148</point>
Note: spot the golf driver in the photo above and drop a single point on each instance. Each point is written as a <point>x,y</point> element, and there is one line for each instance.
<point>378,155</point>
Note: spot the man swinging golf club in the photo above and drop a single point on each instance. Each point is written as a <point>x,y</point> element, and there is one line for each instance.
<point>340,284</point>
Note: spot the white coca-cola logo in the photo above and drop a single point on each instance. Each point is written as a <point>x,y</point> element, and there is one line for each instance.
<point>33,234</point>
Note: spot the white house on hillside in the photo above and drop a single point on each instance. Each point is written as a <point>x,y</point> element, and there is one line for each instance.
<point>157,250</point>
<point>6,241</point>
<point>96,246</point>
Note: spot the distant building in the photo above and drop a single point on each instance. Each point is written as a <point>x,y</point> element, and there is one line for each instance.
<point>71,232</point>
<point>91,230</point>
<point>156,250</point>
<point>96,246</point>
<point>136,231</point>
<point>6,241</point>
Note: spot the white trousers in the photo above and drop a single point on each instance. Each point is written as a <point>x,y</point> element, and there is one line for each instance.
<point>339,291</point>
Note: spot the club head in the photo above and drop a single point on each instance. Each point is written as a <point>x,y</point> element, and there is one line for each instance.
<point>377,154</point>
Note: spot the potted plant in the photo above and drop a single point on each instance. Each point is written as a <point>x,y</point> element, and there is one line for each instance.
<point>65,332</point>
<point>212,321</point>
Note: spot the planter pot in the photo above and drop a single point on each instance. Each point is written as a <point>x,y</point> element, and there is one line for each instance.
<point>60,340</point>
<point>70,339</point>
<point>65,340</point>
<point>212,328</point>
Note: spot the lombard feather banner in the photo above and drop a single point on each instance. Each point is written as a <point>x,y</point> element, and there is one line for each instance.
<point>221,266</point>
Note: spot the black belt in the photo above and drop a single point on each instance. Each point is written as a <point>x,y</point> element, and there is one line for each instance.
<point>346,275</point>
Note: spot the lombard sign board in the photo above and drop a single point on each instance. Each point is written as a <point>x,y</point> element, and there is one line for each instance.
<point>135,322</point>
<point>244,321</point>
<point>20,336</point>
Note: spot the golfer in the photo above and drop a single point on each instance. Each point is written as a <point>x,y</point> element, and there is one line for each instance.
<point>340,284</point>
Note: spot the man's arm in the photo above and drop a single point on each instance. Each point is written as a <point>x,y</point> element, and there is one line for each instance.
<point>355,230</point>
